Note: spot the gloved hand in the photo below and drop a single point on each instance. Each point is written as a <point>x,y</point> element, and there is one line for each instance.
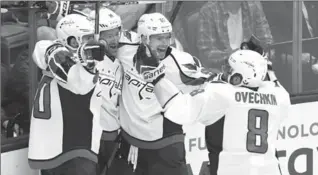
<point>59,60</point>
<point>59,53</point>
<point>253,44</point>
<point>91,52</point>
<point>314,68</point>
<point>148,66</point>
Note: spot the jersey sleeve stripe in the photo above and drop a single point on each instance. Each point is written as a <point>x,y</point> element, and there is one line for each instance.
<point>57,71</point>
<point>169,100</point>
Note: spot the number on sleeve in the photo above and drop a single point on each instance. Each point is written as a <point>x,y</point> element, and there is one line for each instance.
<point>42,102</point>
<point>197,91</point>
<point>257,131</point>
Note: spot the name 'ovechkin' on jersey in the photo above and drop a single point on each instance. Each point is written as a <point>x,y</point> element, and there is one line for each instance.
<point>255,98</point>
<point>241,123</point>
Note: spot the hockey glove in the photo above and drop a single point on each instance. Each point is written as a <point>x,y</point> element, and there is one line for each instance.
<point>271,76</point>
<point>314,68</point>
<point>253,44</point>
<point>59,60</point>
<point>147,65</point>
<point>89,53</point>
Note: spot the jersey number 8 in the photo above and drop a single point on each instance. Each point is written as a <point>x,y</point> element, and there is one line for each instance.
<point>257,131</point>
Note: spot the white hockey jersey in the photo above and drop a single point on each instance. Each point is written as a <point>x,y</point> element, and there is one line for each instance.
<point>110,76</point>
<point>242,124</point>
<point>110,79</point>
<point>65,120</point>
<point>141,115</point>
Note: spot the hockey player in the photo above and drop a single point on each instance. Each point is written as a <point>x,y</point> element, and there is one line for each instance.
<point>242,113</point>
<point>65,127</point>
<point>110,72</point>
<point>150,139</point>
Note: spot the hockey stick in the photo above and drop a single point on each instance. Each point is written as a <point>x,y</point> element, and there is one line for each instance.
<point>112,157</point>
<point>175,12</point>
<point>96,34</point>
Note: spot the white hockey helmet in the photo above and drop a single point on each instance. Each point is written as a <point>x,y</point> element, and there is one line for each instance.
<point>249,66</point>
<point>153,24</point>
<point>107,19</point>
<point>74,25</point>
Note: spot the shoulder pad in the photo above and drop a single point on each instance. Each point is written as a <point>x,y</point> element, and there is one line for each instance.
<point>185,60</point>
<point>181,56</point>
<point>39,53</point>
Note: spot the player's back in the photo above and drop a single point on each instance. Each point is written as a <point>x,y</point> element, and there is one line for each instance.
<point>245,143</point>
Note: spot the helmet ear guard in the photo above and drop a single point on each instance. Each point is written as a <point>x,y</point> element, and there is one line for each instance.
<point>253,44</point>
<point>236,79</point>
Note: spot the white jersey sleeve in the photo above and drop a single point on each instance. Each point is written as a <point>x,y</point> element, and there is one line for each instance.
<point>39,53</point>
<point>189,65</point>
<point>192,68</point>
<point>79,80</point>
<point>283,94</point>
<point>72,76</point>
<point>201,105</point>
<point>183,70</point>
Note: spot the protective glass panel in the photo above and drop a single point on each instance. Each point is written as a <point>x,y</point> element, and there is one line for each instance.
<point>212,30</point>
<point>309,58</point>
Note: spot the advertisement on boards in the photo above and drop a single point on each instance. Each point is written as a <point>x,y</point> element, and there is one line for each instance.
<point>297,143</point>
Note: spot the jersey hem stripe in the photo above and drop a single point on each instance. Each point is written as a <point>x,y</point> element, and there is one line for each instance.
<point>156,144</point>
<point>109,135</point>
<point>62,158</point>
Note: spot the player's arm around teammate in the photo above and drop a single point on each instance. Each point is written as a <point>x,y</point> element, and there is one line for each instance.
<point>182,69</point>
<point>245,72</point>
<point>65,128</point>
<point>70,58</point>
<point>167,93</point>
<point>158,142</point>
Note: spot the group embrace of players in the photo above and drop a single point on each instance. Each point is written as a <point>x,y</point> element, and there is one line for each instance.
<point>117,105</point>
